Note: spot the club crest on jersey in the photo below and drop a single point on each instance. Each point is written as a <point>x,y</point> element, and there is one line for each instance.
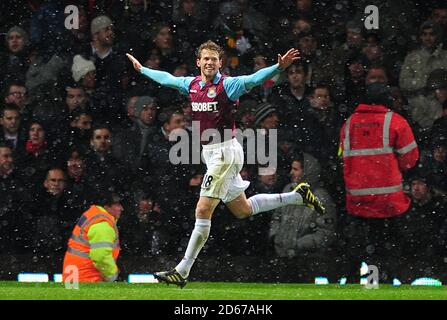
<point>211,92</point>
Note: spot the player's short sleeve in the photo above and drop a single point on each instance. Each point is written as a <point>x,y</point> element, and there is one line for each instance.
<point>234,87</point>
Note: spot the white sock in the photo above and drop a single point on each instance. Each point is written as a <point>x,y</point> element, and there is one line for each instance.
<point>266,202</point>
<point>196,242</point>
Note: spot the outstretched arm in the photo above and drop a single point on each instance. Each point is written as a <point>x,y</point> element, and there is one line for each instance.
<point>162,77</point>
<point>237,86</point>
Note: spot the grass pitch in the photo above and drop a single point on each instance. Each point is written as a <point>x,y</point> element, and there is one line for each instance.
<point>215,291</point>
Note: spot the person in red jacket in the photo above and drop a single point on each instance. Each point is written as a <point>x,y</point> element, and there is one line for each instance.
<point>377,146</point>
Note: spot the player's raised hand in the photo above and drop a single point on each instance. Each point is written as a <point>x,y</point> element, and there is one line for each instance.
<point>287,59</point>
<point>136,64</point>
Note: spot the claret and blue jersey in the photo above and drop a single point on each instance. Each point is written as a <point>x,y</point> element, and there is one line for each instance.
<point>213,103</point>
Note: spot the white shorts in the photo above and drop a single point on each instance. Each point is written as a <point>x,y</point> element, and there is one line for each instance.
<point>224,162</point>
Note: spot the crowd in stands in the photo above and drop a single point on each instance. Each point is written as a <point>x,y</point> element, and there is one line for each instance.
<point>76,119</point>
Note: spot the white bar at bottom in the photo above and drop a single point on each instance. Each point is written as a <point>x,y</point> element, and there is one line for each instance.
<point>32,277</point>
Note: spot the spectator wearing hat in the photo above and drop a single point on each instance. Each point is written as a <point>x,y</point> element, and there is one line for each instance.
<point>111,76</point>
<point>422,239</point>
<point>130,143</point>
<point>81,67</point>
<point>419,63</point>
<point>247,114</point>
<point>267,120</point>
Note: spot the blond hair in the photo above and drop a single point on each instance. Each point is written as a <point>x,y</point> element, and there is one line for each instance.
<point>210,45</point>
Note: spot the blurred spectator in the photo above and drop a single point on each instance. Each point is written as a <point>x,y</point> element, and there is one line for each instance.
<point>111,76</point>
<point>189,17</point>
<point>329,119</point>
<point>439,15</point>
<point>165,179</point>
<point>80,130</point>
<point>149,233</point>
<point>75,100</point>
<point>15,204</point>
<point>299,126</point>
<point>84,72</point>
<point>434,165</point>
<point>47,28</point>
<point>262,93</point>
<point>400,105</point>
<point>376,73</point>
<point>422,237</point>
<point>12,133</point>
<point>40,154</point>
<point>341,54</point>
<point>16,93</point>
<point>354,81</point>
<point>162,40</point>
<point>246,114</point>
<point>253,232</point>
<point>421,62</point>
<point>133,26</point>
<point>44,75</point>
<point>439,129</point>
<point>157,168</point>
<point>427,108</point>
<point>77,40</point>
<point>373,179</point>
<point>297,232</point>
<point>53,218</point>
<point>130,143</point>
<point>104,171</point>
<point>372,49</point>
<point>315,56</point>
<point>291,95</point>
<point>130,110</point>
<point>235,39</point>
<point>15,62</point>
<point>81,68</point>
<point>78,188</point>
